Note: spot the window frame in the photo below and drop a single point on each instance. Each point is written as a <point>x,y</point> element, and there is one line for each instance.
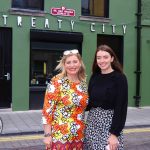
<point>106,10</point>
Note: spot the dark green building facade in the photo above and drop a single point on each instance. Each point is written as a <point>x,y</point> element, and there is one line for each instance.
<point>34,34</point>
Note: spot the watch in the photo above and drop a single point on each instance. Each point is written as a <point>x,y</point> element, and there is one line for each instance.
<point>47,134</point>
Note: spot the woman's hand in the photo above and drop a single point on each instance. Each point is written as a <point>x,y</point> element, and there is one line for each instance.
<point>48,142</point>
<point>113,142</point>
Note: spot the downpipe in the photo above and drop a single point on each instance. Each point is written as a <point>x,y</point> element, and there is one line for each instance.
<point>137,97</point>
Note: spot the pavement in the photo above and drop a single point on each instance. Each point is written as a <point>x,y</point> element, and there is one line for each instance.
<point>27,122</point>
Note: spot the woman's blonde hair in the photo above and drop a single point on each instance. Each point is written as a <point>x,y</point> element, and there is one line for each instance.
<point>60,67</point>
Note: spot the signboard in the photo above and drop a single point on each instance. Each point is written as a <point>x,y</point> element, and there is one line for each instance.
<point>63,11</point>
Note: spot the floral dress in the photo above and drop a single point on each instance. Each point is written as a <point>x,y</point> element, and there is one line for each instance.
<point>63,109</point>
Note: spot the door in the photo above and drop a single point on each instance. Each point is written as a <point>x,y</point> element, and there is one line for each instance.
<point>5,67</point>
<point>114,41</point>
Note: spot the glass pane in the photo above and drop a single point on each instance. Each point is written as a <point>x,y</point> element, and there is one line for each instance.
<point>97,8</point>
<point>85,7</point>
<point>93,8</point>
<point>35,4</point>
<point>43,64</point>
<point>28,4</point>
<point>19,3</point>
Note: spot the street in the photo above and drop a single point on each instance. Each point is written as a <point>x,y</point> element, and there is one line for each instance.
<point>135,139</point>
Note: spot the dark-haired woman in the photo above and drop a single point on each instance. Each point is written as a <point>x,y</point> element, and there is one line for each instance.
<point>108,99</point>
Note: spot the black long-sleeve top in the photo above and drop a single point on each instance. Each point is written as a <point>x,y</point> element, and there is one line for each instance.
<point>110,91</point>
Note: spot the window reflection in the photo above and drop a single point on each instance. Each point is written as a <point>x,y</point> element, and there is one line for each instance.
<point>95,8</point>
<point>43,64</point>
<point>28,4</point>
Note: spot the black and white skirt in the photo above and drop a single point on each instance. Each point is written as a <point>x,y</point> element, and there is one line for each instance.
<point>97,129</point>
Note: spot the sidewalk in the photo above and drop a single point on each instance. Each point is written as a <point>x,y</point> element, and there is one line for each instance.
<point>25,122</point>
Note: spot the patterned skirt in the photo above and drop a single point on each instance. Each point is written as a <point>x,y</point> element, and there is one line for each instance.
<point>97,129</point>
<point>67,145</point>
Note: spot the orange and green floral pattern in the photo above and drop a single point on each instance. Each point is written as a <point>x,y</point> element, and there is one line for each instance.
<point>63,109</point>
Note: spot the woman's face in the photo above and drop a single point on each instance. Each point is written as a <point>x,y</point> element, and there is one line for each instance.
<point>104,61</point>
<point>72,65</point>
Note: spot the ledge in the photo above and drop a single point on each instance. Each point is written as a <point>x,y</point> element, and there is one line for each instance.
<point>95,19</point>
<point>37,88</point>
<point>26,12</point>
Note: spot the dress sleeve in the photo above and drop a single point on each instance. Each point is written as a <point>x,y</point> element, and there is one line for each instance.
<point>120,108</point>
<point>50,101</point>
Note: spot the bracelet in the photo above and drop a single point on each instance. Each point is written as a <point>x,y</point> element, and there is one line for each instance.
<point>47,134</point>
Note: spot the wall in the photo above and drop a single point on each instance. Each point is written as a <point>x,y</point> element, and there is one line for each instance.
<point>145,54</point>
<point>124,12</point>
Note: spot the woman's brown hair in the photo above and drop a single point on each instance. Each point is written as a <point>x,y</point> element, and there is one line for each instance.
<point>115,64</point>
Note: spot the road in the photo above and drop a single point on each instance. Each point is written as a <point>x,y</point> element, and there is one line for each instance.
<point>135,139</point>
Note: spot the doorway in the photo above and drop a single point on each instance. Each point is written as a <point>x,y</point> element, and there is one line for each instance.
<point>5,67</point>
<point>114,41</point>
<point>47,48</point>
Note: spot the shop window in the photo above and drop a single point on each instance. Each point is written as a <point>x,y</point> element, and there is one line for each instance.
<point>98,8</point>
<point>28,4</point>
<point>43,63</point>
<point>46,50</point>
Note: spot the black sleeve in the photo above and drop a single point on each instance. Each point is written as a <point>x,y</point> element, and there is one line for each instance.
<point>89,90</point>
<point>120,108</point>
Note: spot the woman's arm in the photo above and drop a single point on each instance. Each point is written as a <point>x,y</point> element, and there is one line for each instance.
<point>120,112</point>
<point>50,101</point>
<point>120,105</point>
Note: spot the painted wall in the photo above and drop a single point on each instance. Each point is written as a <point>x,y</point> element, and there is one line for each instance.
<point>124,12</point>
<point>121,12</point>
<point>145,54</point>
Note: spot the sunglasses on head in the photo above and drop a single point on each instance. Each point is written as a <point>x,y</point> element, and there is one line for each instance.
<point>67,52</point>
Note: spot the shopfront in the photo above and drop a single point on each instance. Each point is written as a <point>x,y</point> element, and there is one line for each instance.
<point>34,34</point>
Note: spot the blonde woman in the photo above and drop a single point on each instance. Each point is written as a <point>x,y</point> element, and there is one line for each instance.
<point>64,105</point>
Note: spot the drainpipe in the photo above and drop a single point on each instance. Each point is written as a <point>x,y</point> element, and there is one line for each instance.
<point>137,97</point>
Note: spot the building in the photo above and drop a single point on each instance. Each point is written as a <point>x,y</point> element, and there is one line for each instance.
<point>34,34</point>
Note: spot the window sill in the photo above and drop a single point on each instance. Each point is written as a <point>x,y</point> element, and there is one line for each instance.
<point>37,88</point>
<point>26,12</point>
<point>95,19</point>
